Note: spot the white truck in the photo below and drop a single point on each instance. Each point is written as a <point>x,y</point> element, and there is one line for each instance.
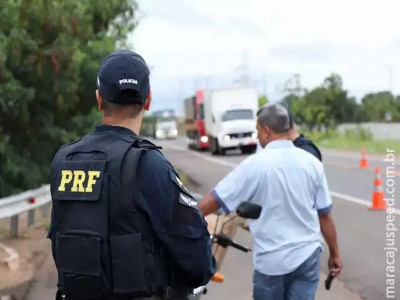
<point>230,119</point>
<point>166,129</point>
<point>166,124</point>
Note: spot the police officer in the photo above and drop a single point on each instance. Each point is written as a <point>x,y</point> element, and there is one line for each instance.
<point>300,141</point>
<point>123,225</point>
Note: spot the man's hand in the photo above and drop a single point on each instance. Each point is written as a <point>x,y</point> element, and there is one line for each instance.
<point>335,265</point>
<point>328,230</point>
<point>245,225</point>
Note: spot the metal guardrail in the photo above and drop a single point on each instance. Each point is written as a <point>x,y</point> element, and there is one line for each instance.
<point>12,206</point>
<point>29,201</point>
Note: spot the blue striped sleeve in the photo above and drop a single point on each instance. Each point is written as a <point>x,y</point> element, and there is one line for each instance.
<point>325,210</point>
<point>220,202</point>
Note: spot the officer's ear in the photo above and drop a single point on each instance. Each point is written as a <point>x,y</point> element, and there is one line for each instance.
<point>100,102</point>
<point>148,102</point>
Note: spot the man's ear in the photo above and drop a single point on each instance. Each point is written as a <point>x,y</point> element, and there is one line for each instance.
<point>265,130</point>
<point>100,102</point>
<point>148,101</point>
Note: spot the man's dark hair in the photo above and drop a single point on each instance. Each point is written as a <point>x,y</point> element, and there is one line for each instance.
<point>128,110</point>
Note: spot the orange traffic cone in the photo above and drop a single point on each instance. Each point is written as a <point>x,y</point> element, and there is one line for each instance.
<point>378,202</point>
<point>364,161</point>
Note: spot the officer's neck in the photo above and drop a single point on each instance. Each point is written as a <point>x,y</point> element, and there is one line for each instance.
<point>132,124</point>
<point>293,134</point>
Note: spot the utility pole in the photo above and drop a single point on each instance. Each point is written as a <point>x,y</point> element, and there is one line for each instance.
<point>180,89</point>
<point>265,84</point>
<point>244,71</point>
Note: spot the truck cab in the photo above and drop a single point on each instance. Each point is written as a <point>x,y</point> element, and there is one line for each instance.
<point>194,121</point>
<point>164,124</point>
<point>230,119</point>
<point>166,128</point>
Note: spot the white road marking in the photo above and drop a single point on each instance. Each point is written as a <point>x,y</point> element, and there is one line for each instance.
<point>209,158</point>
<point>232,165</point>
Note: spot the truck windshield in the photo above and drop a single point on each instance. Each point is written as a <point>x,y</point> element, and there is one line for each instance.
<point>240,114</point>
<point>167,119</point>
<point>202,111</point>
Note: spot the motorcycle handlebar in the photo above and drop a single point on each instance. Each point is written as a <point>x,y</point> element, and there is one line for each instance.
<point>224,241</point>
<point>238,246</point>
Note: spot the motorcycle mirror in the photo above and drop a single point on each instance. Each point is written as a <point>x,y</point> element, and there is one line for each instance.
<point>248,210</point>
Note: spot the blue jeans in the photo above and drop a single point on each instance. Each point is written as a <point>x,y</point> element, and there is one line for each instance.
<point>301,284</point>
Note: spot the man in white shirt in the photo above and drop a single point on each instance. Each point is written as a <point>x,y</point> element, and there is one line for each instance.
<point>290,185</point>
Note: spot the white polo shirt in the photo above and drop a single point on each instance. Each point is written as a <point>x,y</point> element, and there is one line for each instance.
<point>290,185</point>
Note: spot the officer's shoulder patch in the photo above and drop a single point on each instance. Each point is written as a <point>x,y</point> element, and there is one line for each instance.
<point>186,200</point>
<point>79,180</point>
<point>185,197</point>
<point>177,181</point>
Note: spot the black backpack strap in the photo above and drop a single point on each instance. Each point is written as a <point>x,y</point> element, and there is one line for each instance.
<point>145,144</point>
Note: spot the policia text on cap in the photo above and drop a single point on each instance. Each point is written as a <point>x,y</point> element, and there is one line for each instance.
<point>122,226</point>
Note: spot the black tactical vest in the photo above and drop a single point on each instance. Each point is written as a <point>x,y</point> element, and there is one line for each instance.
<point>303,141</point>
<point>101,243</point>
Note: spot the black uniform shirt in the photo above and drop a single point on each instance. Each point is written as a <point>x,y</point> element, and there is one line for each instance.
<point>307,145</point>
<point>176,220</point>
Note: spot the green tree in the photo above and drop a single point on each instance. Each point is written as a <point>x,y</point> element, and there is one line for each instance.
<point>289,100</point>
<point>323,107</point>
<point>342,107</point>
<point>376,105</point>
<point>262,100</point>
<point>49,54</point>
<point>293,86</point>
<point>315,109</point>
<point>294,100</point>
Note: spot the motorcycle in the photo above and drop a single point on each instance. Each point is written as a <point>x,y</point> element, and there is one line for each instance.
<point>245,210</point>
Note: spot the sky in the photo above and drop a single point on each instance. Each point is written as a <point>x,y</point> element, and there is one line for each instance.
<point>192,44</point>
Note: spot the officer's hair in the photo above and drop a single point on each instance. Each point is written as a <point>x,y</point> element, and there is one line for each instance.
<point>128,110</point>
<point>275,117</point>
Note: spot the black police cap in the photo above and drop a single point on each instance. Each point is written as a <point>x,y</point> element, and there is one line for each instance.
<point>123,70</point>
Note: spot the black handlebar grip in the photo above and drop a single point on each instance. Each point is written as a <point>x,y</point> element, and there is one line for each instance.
<point>328,281</point>
<point>239,247</point>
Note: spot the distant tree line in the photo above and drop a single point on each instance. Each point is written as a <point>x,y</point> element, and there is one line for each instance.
<point>49,55</point>
<point>328,105</point>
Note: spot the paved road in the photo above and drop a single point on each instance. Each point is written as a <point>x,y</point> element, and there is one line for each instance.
<point>361,232</point>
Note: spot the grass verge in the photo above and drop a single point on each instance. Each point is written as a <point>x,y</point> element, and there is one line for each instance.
<point>183,177</point>
<point>352,141</point>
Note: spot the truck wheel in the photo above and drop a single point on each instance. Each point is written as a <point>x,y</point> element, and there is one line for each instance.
<point>213,145</point>
<point>220,150</point>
